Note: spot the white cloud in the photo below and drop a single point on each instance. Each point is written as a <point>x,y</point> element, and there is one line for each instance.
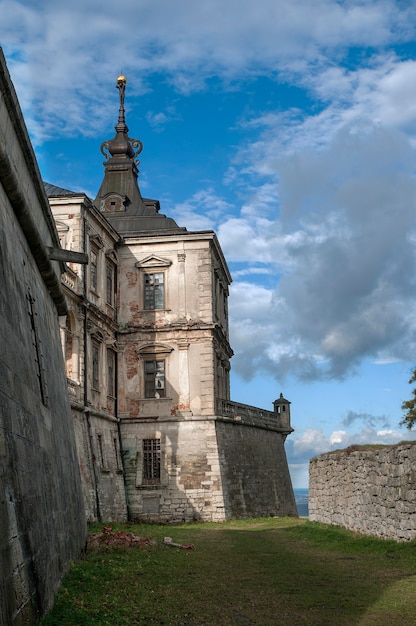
<point>158,120</point>
<point>51,63</point>
<point>328,190</point>
<point>202,211</point>
<point>344,236</point>
<point>303,446</point>
<point>337,437</point>
<point>306,444</point>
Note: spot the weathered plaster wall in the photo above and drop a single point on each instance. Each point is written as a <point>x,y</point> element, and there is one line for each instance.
<point>187,327</point>
<point>365,489</point>
<point>190,483</point>
<point>80,226</point>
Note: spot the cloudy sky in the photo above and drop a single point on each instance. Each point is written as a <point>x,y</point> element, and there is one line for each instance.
<point>289,127</point>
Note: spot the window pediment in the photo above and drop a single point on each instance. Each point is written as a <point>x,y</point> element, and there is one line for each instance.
<point>97,240</point>
<point>154,349</point>
<point>111,255</point>
<point>153,261</point>
<point>97,335</point>
<point>61,227</point>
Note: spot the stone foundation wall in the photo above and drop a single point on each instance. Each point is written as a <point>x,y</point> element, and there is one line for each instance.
<point>371,490</point>
<point>190,482</point>
<point>101,467</point>
<point>211,469</point>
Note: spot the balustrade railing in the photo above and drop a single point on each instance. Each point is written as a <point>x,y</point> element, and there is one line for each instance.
<point>252,414</point>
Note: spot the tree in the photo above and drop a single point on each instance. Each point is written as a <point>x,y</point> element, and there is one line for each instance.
<point>409,406</point>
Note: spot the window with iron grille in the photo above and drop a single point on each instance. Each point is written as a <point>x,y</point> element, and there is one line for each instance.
<point>93,269</point>
<point>110,283</point>
<point>151,461</point>
<point>154,291</point>
<point>111,373</point>
<point>154,379</point>
<point>95,365</point>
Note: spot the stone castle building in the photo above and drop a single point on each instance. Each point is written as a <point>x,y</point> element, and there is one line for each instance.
<point>147,351</point>
<point>136,421</point>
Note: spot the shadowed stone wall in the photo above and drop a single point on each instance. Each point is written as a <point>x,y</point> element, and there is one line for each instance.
<point>254,471</point>
<point>371,490</point>
<point>42,520</point>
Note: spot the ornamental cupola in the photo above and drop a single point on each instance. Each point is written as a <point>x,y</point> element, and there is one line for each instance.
<point>119,196</point>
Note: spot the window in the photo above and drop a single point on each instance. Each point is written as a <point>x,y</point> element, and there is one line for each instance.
<point>154,291</point>
<point>95,365</point>
<point>151,461</point>
<point>154,379</point>
<point>110,283</point>
<point>93,269</point>
<point>111,373</point>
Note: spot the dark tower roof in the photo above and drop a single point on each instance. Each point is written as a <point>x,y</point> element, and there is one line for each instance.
<point>53,191</point>
<point>119,196</point>
<point>281,400</point>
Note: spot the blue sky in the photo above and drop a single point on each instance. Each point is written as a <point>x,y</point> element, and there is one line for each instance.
<point>288,127</point>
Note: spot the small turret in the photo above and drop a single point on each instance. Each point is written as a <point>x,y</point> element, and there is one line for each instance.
<point>282,408</point>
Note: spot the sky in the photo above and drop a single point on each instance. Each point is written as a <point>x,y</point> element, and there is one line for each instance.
<point>289,128</point>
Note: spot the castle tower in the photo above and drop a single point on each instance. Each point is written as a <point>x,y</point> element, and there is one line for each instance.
<point>189,451</point>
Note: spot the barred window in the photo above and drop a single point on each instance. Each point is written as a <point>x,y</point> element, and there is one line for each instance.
<point>154,379</point>
<point>95,366</point>
<point>151,461</point>
<point>111,373</point>
<point>94,269</point>
<point>110,283</point>
<point>154,291</point>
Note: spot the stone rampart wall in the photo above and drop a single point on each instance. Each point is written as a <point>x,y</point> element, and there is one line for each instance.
<point>371,490</point>
<point>254,471</point>
<point>42,520</point>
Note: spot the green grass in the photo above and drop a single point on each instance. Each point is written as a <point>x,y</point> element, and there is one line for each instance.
<point>277,571</point>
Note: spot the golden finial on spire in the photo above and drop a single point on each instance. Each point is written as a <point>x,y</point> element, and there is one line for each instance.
<point>121,86</point>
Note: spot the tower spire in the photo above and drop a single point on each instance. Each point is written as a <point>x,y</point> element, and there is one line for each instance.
<point>121,86</point>
<point>122,146</point>
<point>119,196</point>
<point>119,191</point>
